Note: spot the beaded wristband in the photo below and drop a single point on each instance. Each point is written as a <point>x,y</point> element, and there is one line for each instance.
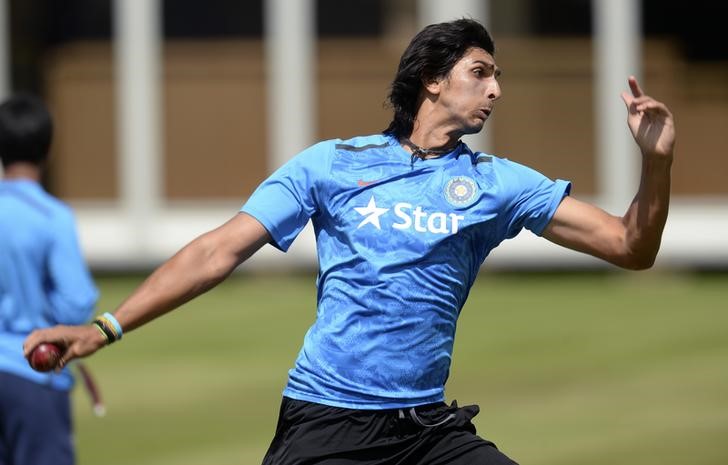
<point>109,326</point>
<point>101,330</point>
<point>105,330</point>
<point>117,327</point>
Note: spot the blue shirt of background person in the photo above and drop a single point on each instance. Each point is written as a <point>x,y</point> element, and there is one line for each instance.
<point>44,280</point>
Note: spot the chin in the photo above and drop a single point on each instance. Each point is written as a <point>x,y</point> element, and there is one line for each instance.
<point>474,128</point>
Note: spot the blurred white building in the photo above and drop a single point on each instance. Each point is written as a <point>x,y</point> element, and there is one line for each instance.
<point>175,93</point>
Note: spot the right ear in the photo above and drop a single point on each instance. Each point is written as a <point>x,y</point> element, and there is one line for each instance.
<point>432,85</point>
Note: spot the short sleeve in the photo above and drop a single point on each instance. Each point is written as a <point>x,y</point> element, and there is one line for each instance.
<point>285,201</point>
<point>534,200</point>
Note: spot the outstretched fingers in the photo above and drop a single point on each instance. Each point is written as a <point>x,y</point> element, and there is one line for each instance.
<point>636,96</point>
<point>635,87</point>
<point>648,105</point>
<point>644,105</point>
<point>650,121</point>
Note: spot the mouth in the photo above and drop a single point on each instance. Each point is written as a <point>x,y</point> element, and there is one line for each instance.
<point>485,112</point>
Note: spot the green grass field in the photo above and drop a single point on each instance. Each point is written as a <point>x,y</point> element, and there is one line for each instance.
<point>568,369</point>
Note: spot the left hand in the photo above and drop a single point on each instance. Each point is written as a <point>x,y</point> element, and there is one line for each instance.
<point>651,123</point>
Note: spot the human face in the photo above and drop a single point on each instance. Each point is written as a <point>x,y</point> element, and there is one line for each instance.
<point>465,98</point>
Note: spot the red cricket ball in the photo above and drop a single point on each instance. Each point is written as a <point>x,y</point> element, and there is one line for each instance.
<point>45,357</point>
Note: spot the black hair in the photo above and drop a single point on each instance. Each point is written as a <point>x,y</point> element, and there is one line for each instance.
<point>431,55</point>
<point>26,130</point>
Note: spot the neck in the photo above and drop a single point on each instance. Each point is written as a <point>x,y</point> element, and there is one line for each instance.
<point>433,140</point>
<point>433,131</point>
<point>427,152</point>
<point>22,170</point>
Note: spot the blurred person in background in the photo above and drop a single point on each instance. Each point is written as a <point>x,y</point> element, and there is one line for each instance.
<point>403,222</point>
<point>44,281</point>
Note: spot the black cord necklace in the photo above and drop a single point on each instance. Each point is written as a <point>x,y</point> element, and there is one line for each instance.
<point>422,153</point>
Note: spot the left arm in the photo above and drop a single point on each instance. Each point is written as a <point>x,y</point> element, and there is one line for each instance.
<point>630,241</point>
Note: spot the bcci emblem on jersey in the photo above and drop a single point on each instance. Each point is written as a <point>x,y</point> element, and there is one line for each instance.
<point>460,191</point>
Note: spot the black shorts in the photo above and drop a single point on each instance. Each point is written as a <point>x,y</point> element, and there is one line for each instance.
<point>309,433</point>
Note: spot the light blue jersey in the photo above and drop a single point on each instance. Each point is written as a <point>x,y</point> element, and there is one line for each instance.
<point>43,277</point>
<point>400,243</point>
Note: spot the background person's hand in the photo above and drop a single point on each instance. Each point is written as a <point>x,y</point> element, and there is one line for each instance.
<point>74,341</point>
<point>650,121</point>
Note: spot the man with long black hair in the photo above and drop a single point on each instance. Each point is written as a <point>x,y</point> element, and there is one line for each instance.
<point>403,221</point>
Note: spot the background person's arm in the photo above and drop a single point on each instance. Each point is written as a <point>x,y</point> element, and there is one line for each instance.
<point>196,268</point>
<point>633,240</point>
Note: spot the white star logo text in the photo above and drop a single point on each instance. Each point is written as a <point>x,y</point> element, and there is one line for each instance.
<point>371,213</point>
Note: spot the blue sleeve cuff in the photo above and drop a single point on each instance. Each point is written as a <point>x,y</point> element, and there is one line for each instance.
<point>276,240</point>
<point>561,189</point>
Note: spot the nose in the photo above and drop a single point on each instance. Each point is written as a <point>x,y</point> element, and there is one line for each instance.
<point>494,90</point>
